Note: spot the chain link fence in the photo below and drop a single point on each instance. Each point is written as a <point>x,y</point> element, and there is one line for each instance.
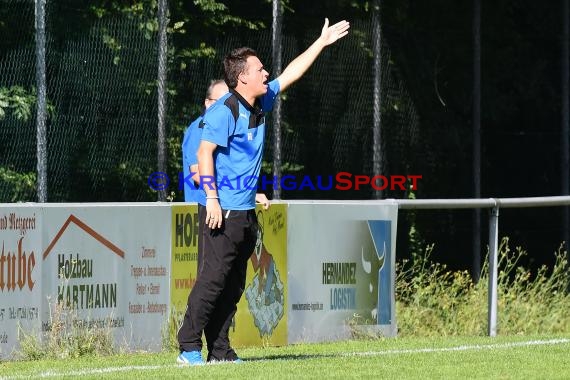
<point>102,113</point>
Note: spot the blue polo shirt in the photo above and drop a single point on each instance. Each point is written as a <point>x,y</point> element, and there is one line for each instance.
<point>238,130</point>
<point>190,144</point>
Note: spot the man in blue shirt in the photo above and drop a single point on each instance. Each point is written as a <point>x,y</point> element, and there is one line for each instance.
<point>229,161</point>
<point>192,190</point>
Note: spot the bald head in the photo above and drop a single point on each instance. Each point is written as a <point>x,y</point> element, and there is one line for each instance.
<point>216,90</point>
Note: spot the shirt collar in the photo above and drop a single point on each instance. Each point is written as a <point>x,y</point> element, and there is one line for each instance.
<point>255,109</point>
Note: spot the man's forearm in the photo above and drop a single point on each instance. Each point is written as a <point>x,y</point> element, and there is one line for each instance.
<point>297,67</point>
<point>206,170</point>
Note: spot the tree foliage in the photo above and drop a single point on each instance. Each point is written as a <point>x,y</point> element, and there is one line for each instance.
<point>429,53</point>
<point>17,101</point>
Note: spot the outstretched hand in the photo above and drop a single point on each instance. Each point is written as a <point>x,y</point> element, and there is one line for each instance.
<point>302,62</point>
<point>331,34</point>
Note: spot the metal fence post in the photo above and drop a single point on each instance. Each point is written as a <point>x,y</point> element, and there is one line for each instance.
<point>161,79</point>
<point>276,46</point>
<point>41,145</point>
<point>493,262</point>
<point>377,152</point>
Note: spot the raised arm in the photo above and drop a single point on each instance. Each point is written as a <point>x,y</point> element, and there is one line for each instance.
<point>301,63</point>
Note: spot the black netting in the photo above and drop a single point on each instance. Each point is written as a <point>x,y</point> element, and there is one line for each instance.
<point>17,88</point>
<point>102,84</point>
<point>102,120</point>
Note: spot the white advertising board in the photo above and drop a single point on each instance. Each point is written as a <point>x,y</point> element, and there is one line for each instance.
<point>20,274</point>
<point>340,269</point>
<point>111,265</point>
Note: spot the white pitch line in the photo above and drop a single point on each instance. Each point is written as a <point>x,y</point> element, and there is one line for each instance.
<point>96,371</point>
<point>461,348</point>
<point>93,371</point>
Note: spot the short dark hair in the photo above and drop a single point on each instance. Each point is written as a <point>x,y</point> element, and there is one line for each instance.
<point>235,63</point>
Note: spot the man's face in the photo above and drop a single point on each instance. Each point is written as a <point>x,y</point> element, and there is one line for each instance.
<point>255,76</point>
<point>218,91</point>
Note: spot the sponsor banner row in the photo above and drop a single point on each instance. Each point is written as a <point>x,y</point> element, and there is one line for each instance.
<point>316,270</point>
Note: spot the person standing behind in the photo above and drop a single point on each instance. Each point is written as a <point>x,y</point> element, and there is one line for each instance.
<point>191,141</point>
<point>231,152</point>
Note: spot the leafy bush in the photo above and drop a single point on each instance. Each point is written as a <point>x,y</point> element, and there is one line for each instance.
<point>17,100</point>
<point>431,300</point>
<point>18,187</point>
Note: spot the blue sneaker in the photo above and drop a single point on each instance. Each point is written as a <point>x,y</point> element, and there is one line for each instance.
<point>190,358</point>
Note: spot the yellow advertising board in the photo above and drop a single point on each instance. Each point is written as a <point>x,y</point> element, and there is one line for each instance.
<point>261,317</point>
<point>184,258</point>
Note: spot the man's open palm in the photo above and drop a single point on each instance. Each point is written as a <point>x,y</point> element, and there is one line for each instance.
<point>330,34</point>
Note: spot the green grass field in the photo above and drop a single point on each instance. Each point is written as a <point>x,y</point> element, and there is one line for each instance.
<point>515,357</point>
